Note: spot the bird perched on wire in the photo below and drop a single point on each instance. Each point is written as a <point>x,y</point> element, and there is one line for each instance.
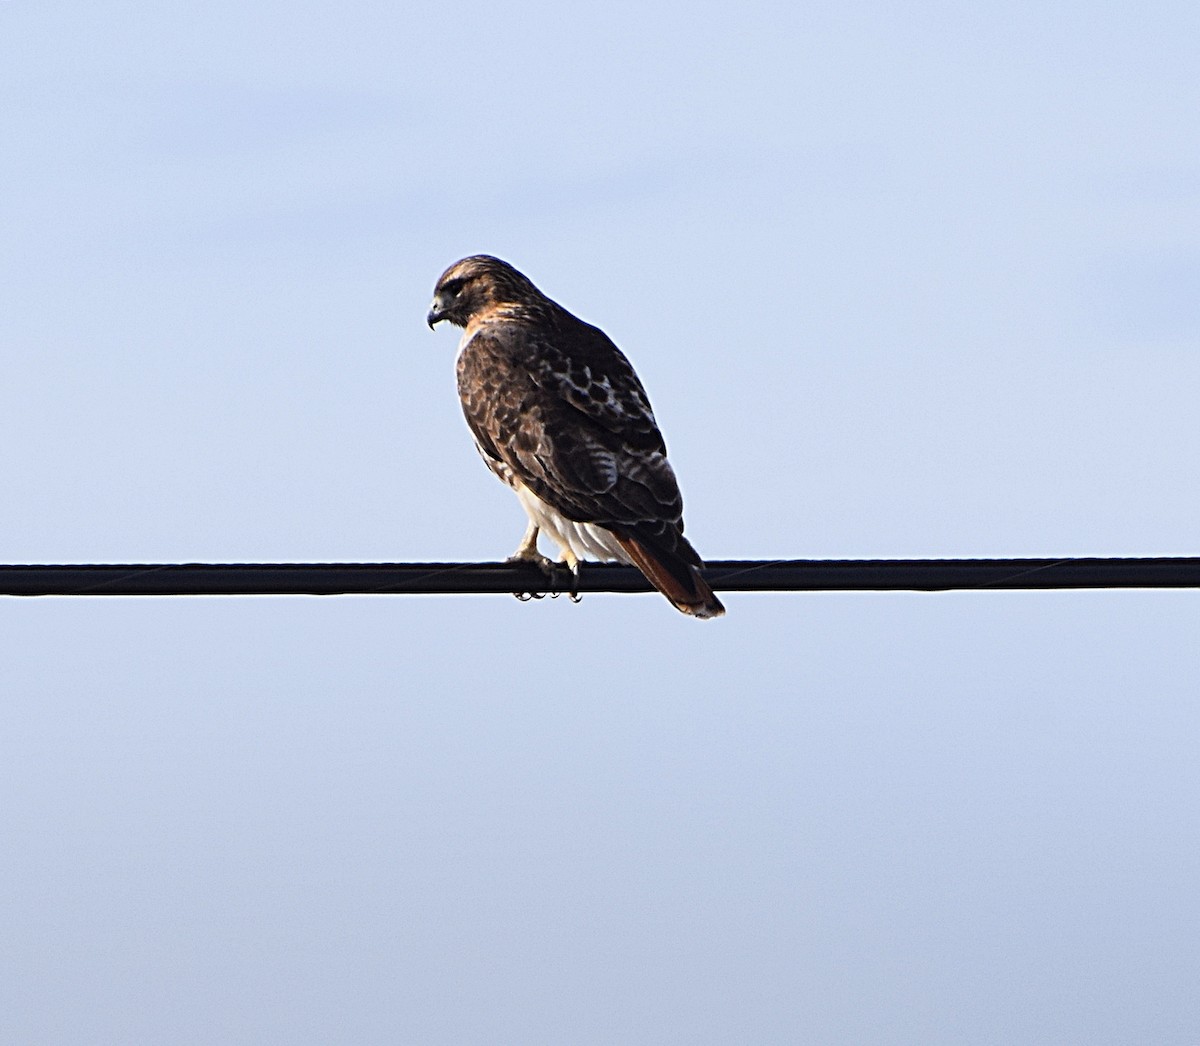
<point>560,416</point>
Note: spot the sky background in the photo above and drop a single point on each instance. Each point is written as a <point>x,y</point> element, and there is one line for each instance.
<point>908,280</point>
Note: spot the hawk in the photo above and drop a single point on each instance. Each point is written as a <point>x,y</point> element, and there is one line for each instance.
<point>560,416</point>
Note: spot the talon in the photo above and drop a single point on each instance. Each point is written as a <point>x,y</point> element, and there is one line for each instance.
<point>572,588</point>
<point>533,558</point>
<point>527,553</point>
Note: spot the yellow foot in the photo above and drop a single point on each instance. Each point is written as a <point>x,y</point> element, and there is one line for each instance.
<point>528,553</point>
<point>535,558</point>
<point>560,577</point>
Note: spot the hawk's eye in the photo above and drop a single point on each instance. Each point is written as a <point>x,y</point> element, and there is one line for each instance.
<point>452,287</point>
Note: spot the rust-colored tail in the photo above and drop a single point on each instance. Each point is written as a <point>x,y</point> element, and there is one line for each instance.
<point>674,577</point>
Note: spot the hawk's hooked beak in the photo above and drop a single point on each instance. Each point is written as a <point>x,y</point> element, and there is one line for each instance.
<point>437,312</point>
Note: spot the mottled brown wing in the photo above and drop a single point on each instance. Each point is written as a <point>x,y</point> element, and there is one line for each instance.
<point>574,426</point>
<point>580,364</point>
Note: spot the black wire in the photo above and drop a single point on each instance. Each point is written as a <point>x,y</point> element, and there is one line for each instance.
<point>773,575</point>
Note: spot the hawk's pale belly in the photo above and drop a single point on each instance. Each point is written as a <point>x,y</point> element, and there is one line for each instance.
<point>584,540</point>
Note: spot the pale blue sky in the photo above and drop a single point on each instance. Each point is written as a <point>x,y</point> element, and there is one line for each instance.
<point>902,280</point>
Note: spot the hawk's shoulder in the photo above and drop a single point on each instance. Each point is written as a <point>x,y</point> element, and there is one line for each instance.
<point>580,365</point>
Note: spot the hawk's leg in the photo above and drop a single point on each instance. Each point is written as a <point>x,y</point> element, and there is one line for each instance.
<point>527,552</point>
<point>571,562</point>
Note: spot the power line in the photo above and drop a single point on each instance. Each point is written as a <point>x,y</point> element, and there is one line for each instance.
<point>730,575</point>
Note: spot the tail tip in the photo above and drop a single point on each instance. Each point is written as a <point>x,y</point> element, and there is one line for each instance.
<point>704,611</point>
<point>706,607</point>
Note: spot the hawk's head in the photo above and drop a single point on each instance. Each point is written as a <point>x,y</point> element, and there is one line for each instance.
<point>474,284</point>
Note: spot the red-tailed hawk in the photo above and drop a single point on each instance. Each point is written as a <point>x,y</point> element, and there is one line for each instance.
<point>559,415</point>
